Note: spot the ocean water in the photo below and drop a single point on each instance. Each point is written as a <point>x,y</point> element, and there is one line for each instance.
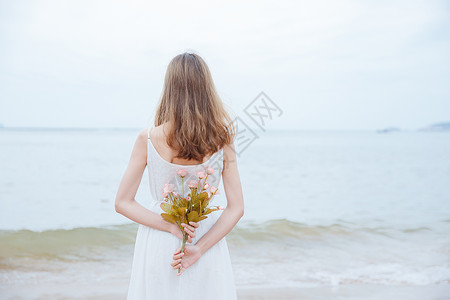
<point>321,208</point>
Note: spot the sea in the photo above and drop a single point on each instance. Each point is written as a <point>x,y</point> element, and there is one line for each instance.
<point>322,208</point>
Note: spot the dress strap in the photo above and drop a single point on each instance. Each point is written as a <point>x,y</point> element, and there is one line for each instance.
<point>149,145</point>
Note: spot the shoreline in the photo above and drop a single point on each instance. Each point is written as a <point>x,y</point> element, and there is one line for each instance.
<point>111,291</point>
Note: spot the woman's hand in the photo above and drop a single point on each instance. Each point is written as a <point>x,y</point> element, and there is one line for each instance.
<point>185,260</point>
<point>189,229</point>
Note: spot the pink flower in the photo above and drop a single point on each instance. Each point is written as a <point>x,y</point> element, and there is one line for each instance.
<point>193,184</point>
<point>214,190</point>
<point>188,198</point>
<point>201,174</point>
<point>168,187</point>
<point>182,173</point>
<point>206,186</point>
<point>165,195</point>
<point>209,170</point>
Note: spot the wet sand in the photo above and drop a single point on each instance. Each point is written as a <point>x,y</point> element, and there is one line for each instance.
<point>341,292</point>
<point>354,292</point>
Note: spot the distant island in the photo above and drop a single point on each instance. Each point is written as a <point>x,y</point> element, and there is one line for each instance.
<point>443,126</point>
<point>388,129</point>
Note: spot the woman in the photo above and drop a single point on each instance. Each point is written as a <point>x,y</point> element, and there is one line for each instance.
<point>192,131</point>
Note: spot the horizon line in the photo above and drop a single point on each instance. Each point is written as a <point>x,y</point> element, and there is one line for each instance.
<point>3,127</point>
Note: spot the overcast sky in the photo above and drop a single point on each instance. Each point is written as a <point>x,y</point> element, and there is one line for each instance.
<point>326,64</point>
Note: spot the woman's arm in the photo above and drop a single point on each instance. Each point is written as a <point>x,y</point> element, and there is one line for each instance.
<point>230,216</point>
<point>126,204</point>
<point>235,202</point>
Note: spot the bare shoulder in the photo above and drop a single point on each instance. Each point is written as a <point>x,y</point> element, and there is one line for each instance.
<point>141,141</point>
<point>158,133</point>
<point>143,134</point>
<point>139,152</point>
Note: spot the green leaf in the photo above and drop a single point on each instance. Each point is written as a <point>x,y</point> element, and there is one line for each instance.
<point>167,208</point>
<point>203,196</point>
<point>209,210</point>
<point>193,216</point>
<point>184,202</point>
<point>175,210</point>
<point>169,218</point>
<point>202,218</point>
<point>182,211</point>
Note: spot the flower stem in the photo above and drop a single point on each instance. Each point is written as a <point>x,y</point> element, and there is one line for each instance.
<point>182,187</point>
<point>182,247</point>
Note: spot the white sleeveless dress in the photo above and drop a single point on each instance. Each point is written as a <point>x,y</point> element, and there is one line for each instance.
<point>152,277</point>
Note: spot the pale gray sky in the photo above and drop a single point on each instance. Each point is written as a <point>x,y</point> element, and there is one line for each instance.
<point>327,64</point>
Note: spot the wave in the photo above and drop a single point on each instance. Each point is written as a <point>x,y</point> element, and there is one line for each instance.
<point>286,230</point>
<point>65,243</point>
<point>86,242</point>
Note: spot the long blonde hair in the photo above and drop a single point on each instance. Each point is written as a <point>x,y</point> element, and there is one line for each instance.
<point>199,124</point>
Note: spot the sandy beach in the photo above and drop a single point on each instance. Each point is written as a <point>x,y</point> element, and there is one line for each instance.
<point>353,291</point>
<point>356,291</point>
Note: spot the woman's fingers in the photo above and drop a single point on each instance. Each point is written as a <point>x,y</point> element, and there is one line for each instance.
<point>176,263</point>
<point>177,251</point>
<point>189,232</point>
<point>194,224</point>
<point>191,228</point>
<point>181,271</point>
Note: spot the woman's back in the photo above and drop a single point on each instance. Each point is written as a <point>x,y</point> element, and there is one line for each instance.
<point>152,277</point>
<point>162,171</point>
<point>159,141</point>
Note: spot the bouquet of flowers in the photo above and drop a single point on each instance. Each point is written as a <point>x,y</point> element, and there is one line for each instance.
<point>193,207</point>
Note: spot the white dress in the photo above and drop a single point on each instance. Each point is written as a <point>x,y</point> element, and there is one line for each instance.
<point>152,277</point>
